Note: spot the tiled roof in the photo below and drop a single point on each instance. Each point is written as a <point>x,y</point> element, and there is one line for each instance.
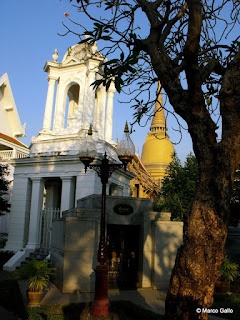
<point>143,176</point>
<point>10,139</point>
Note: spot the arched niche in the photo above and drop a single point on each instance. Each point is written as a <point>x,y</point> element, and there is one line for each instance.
<point>73,91</point>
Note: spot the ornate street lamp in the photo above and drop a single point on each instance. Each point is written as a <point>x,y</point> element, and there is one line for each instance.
<point>87,153</point>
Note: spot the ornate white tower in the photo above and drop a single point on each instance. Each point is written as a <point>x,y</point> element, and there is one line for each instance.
<point>53,177</point>
<point>72,104</point>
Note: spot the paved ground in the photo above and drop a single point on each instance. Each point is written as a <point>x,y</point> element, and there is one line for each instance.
<point>146,298</point>
<point>153,300</point>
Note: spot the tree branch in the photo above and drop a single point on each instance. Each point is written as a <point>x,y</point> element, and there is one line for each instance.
<point>213,65</point>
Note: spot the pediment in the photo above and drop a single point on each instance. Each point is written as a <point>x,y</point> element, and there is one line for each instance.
<point>71,60</point>
<point>10,123</point>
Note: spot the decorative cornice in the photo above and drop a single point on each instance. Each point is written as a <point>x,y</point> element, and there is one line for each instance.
<point>142,175</point>
<point>10,139</point>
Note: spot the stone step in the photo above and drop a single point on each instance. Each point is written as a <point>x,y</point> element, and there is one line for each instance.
<point>38,254</point>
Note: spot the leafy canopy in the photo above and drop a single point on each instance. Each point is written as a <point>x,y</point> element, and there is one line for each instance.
<point>187,45</point>
<point>229,270</point>
<point>4,189</point>
<point>179,188</point>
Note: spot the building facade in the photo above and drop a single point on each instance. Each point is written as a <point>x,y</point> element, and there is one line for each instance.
<point>10,130</point>
<point>53,177</point>
<point>56,205</point>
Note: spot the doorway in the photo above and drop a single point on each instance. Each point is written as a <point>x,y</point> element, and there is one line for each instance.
<point>123,256</point>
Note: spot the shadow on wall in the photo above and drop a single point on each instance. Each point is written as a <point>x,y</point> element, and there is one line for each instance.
<point>74,253</point>
<point>75,244</point>
<point>161,240</point>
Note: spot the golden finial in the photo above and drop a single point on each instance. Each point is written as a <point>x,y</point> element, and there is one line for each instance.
<point>90,132</point>
<point>126,127</point>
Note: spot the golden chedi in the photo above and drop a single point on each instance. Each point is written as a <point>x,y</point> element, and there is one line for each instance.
<point>157,152</point>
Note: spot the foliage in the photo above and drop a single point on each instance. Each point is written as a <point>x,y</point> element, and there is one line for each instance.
<point>179,188</point>
<point>4,188</point>
<point>3,239</point>
<point>120,310</point>
<point>37,273</point>
<point>235,202</point>
<point>4,257</point>
<point>226,301</point>
<point>11,298</point>
<point>229,270</point>
<point>130,30</point>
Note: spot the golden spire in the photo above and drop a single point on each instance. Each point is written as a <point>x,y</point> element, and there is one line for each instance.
<point>90,131</point>
<point>126,127</point>
<point>158,122</point>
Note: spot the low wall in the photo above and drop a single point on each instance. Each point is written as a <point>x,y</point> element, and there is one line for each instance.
<point>75,240</point>
<point>167,238</point>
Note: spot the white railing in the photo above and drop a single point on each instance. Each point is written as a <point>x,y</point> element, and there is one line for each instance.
<point>46,219</point>
<point>21,155</point>
<point>10,154</point>
<point>6,154</point>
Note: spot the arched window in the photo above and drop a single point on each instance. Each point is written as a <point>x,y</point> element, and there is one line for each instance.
<point>72,105</point>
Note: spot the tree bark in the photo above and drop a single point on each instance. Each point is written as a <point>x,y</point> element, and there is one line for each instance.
<point>198,260</point>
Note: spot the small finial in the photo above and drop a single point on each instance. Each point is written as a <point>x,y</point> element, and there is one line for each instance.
<point>90,132</point>
<point>55,55</point>
<point>126,127</point>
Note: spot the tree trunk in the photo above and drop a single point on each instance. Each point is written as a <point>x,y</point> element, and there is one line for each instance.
<point>199,258</point>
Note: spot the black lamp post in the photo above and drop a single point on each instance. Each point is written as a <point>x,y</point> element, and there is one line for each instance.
<point>126,151</point>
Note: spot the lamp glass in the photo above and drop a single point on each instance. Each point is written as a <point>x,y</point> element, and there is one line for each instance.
<point>126,147</point>
<point>87,148</point>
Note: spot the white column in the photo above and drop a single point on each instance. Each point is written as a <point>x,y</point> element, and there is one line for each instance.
<point>86,184</point>
<point>109,114</point>
<point>14,153</point>
<point>60,106</point>
<point>35,213</point>
<point>100,112</point>
<point>80,106</point>
<point>47,121</point>
<point>67,193</point>
<point>19,218</point>
<point>90,101</point>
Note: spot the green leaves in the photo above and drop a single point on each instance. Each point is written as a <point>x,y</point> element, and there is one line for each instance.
<point>100,32</point>
<point>117,69</point>
<point>36,273</point>
<point>179,188</point>
<point>229,270</point>
<point>110,4</point>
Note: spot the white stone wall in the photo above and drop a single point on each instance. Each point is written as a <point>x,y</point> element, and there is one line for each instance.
<point>81,244</point>
<point>29,178</point>
<point>158,243</point>
<point>168,236</point>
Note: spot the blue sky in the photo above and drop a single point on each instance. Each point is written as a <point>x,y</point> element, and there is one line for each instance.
<point>29,36</point>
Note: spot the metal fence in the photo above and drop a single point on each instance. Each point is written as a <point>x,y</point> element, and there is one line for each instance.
<point>46,219</point>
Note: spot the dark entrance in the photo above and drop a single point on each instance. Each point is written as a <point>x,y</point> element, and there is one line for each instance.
<point>123,256</point>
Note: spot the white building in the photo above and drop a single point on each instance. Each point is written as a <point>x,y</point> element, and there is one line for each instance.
<point>53,177</point>
<point>10,130</point>
<point>141,243</point>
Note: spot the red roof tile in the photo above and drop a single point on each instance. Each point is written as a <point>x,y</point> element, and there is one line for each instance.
<point>10,139</point>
